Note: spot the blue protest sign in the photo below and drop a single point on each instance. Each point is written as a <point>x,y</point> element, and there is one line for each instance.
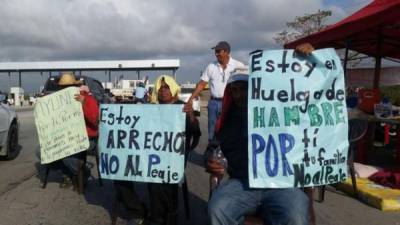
<point>297,119</point>
<point>143,143</point>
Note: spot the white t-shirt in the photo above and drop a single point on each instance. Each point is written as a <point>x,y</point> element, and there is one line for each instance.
<point>217,77</point>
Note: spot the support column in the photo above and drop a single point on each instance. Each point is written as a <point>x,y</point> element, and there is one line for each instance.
<point>378,60</point>
<point>19,79</point>
<point>346,56</point>
<point>41,79</point>
<point>9,81</point>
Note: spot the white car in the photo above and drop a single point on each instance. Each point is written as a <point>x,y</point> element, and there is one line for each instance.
<point>9,128</point>
<point>185,95</point>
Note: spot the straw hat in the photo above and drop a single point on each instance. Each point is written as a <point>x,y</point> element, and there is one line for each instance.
<point>68,79</point>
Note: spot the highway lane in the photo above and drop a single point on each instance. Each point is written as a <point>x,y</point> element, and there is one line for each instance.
<point>23,167</point>
<point>22,201</point>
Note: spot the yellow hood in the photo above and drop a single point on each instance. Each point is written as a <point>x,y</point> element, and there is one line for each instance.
<point>173,87</point>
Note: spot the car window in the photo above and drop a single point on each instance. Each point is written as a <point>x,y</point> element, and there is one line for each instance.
<point>94,85</point>
<point>97,85</point>
<point>52,85</point>
<point>97,90</point>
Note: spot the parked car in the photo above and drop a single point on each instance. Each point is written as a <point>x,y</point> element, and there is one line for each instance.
<point>185,95</point>
<point>94,85</point>
<point>9,129</point>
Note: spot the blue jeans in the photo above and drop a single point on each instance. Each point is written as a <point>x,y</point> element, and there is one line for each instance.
<point>214,109</point>
<point>233,199</point>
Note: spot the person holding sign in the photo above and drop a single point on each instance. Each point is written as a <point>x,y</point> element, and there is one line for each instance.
<point>90,111</point>
<point>216,76</point>
<point>234,198</point>
<point>163,196</point>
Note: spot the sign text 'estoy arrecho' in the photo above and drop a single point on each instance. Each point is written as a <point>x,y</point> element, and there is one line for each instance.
<point>143,143</point>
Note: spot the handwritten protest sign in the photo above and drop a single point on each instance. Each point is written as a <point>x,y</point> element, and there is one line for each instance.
<point>143,143</point>
<point>60,125</point>
<point>297,119</point>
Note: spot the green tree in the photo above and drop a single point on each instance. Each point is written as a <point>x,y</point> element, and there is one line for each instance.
<point>303,26</point>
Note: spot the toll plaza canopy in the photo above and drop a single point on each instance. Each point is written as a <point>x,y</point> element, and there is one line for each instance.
<point>108,65</point>
<point>105,65</point>
<point>373,30</point>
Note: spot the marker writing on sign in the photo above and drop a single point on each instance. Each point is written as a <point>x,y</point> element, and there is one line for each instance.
<point>111,118</point>
<point>111,164</point>
<point>283,65</point>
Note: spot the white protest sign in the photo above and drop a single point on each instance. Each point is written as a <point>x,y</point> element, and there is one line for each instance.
<point>60,125</point>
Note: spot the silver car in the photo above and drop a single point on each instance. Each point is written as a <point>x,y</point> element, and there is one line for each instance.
<point>9,128</point>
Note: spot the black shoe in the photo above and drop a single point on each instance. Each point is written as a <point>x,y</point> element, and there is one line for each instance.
<point>66,183</point>
<point>75,183</point>
<point>86,175</point>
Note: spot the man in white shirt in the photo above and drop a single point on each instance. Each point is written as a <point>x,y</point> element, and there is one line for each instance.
<point>216,75</point>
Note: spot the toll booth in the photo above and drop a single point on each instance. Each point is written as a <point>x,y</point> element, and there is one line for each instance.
<point>17,95</point>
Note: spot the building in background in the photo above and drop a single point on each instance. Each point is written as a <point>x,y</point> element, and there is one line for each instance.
<point>364,77</point>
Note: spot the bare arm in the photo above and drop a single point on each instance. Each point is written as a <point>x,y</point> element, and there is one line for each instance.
<point>199,87</point>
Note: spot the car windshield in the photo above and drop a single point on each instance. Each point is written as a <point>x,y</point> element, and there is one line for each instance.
<point>52,85</point>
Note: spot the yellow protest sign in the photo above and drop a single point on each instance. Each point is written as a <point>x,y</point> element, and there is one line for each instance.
<point>60,125</point>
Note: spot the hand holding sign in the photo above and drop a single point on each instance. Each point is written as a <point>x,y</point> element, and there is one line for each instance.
<point>297,119</point>
<point>305,48</point>
<point>60,125</point>
<point>140,143</point>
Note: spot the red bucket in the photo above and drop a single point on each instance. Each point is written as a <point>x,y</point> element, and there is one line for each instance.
<point>367,98</point>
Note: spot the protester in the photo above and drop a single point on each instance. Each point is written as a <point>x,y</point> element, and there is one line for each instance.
<point>216,75</point>
<point>163,197</point>
<point>140,93</point>
<point>90,111</point>
<point>234,198</point>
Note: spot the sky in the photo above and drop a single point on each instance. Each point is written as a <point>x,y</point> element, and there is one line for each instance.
<point>48,30</point>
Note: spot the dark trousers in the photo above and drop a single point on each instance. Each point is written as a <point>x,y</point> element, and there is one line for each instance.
<point>60,165</point>
<point>163,202</point>
<point>81,156</point>
<point>126,194</point>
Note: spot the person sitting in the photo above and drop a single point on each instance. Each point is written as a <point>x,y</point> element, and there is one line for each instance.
<point>163,197</point>
<point>90,112</point>
<point>232,199</point>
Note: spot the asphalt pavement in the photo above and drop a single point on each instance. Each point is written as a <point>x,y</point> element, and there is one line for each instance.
<point>24,202</point>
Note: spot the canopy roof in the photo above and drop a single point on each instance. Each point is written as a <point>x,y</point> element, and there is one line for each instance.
<point>109,65</point>
<point>373,30</point>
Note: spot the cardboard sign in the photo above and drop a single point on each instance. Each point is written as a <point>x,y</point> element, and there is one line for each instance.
<point>298,126</point>
<point>60,125</point>
<point>143,143</point>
